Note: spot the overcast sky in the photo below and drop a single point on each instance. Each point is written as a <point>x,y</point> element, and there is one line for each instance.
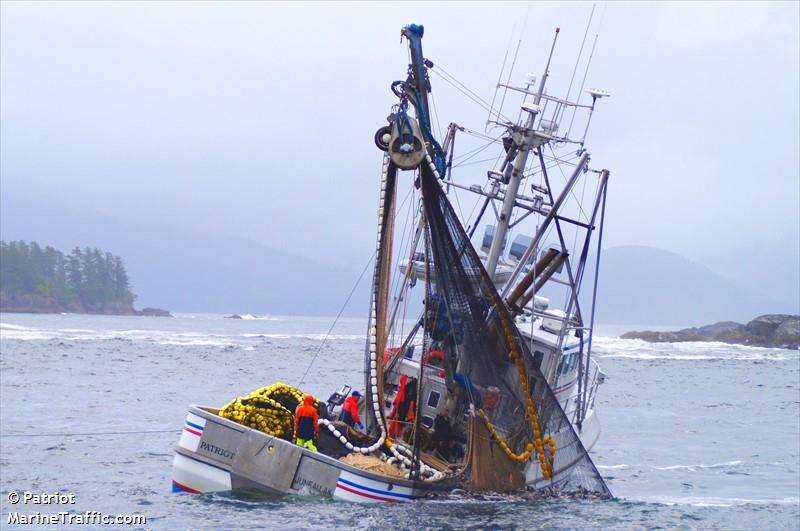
<point>256,119</point>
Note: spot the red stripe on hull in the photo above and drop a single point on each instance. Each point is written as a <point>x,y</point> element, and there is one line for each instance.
<point>568,386</point>
<point>185,488</point>
<point>190,430</point>
<point>372,496</point>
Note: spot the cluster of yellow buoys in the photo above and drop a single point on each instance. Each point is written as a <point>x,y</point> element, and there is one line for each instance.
<point>269,409</point>
<point>538,444</point>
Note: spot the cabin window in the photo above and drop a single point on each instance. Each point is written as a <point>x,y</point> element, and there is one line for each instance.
<point>433,399</point>
<point>568,363</point>
<point>537,359</point>
<point>427,421</point>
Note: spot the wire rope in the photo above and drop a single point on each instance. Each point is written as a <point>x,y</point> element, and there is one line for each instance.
<point>455,83</point>
<point>87,434</point>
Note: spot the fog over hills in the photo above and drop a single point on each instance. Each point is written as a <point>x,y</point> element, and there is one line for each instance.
<point>225,150</point>
<point>656,287</point>
<point>182,269</point>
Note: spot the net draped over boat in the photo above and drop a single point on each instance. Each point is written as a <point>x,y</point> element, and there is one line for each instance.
<point>490,371</point>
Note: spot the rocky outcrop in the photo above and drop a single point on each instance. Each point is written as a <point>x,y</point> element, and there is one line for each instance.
<point>153,312</point>
<point>30,303</point>
<point>771,330</point>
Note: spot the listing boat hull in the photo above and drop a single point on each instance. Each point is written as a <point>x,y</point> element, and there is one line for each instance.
<point>215,454</point>
<point>488,406</point>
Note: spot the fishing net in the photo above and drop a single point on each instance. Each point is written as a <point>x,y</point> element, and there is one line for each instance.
<point>519,432</point>
<point>269,409</point>
<point>373,464</point>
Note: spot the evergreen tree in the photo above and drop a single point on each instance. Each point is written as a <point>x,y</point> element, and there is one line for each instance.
<point>44,279</point>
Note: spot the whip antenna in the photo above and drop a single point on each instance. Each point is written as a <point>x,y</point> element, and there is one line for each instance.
<point>578,60</point>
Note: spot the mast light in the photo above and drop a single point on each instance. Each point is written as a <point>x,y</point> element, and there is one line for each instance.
<point>597,93</point>
<point>498,176</point>
<point>531,108</point>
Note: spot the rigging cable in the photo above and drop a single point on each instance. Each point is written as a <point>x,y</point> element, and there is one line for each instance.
<point>346,302</point>
<point>571,192</point>
<point>508,80</point>
<point>319,349</point>
<point>577,62</point>
<point>583,85</point>
<point>497,87</point>
<point>461,87</point>
<point>87,434</point>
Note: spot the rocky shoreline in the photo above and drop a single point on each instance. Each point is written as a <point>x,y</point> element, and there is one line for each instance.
<point>771,330</point>
<point>105,310</point>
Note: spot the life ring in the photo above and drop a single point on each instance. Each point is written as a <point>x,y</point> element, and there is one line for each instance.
<point>432,355</point>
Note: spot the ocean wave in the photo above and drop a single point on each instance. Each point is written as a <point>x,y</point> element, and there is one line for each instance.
<point>715,501</point>
<point>251,317</point>
<point>683,357</point>
<point>7,326</point>
<point>693,468</point>
<point>312,337</point>
<point>195,343</point>
<point>612,347</point>
<point>612,467</point>
<point>161,337</point>
<point>25,335</point>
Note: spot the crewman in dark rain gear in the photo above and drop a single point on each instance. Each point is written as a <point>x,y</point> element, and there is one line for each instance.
<point>305,424</point>
<point>442,438</point>
<point>403,406</point>
<point>349,414</point>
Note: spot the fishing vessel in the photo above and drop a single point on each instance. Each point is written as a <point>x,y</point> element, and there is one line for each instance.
<point>493,387</point>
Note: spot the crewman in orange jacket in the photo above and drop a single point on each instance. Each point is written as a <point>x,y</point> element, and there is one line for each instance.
<point>349,414</point>
<point>306,428</point>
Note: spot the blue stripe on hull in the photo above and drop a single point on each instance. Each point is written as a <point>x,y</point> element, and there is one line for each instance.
<point>376,491</point>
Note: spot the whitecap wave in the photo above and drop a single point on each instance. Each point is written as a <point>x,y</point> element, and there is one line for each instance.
<point>195,343</point>
<point>612,467</point>
<point>7,326</point>
<point>637,349</point>
<point>693,468</point>
<point>309,336</point>
<point>715,501</point>
<point>679,357</point>
<point>25,335</point>
<point>251,317</point>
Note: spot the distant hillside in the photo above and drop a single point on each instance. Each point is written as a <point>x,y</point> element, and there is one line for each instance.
<point>646,285</point>
<point>192,271</point>
<point>188,270</point>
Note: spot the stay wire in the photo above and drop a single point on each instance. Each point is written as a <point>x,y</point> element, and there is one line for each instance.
<point>86,434</point>
<point>346,302</point>
<point>459,86</point>
<point>336,320</point>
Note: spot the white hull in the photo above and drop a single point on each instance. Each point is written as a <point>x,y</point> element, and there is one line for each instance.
<point>215,454</point>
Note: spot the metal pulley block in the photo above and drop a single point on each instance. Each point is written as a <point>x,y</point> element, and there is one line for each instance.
<point>406,146</point>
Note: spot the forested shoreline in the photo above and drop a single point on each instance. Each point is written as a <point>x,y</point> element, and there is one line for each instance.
<point>40,279</point>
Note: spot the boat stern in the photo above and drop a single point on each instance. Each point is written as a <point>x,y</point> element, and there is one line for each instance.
<point>199,466</point>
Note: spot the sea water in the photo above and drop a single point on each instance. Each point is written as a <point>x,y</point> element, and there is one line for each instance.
<point>695,435</point>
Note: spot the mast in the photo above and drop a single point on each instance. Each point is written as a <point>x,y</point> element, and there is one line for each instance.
<point>417,86</point>
<point>418,74</point>
<point>524,141</point>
